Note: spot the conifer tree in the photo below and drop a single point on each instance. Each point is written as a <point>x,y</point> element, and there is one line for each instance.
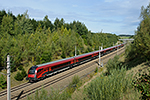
<point>6,26</point>
<point>24,24</point>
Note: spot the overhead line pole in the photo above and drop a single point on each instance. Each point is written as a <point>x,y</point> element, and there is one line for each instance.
<point>99,57</point>
<point>8,78</point>
<point>102,59</point>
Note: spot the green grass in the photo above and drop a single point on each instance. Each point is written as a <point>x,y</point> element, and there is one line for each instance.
<point>111,87</point>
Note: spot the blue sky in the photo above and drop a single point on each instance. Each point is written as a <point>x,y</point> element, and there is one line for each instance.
<point>113,16</point>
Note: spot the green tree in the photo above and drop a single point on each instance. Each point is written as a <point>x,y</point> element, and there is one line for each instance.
<point>23,24</point>
<point>48,23</point>
<point>141,45</point>
<point>7,26</point>
<point>58,23</point>
<point>2,13</point>
<point>34,23</point>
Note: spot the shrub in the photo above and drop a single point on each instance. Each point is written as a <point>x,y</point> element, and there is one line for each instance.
<point>23,73</point>
<point>142,83</point>
<point>18,76</point>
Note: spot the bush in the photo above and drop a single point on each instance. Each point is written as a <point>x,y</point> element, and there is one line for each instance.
<point>142,83</point>
<point>18,76</point>
<point>23,73</point>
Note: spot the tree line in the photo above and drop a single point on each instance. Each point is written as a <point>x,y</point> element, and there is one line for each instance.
<point>41,41</point>
<point>141,45</point>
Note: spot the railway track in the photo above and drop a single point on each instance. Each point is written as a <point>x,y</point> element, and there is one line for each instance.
<point>14,89</point>
<point>21,91</point>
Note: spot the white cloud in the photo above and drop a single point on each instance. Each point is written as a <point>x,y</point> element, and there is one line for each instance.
<point>117,16</point>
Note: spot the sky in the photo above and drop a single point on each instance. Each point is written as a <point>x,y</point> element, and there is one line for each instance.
<point>109,16</point>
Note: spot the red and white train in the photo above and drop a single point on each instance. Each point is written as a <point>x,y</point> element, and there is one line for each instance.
<point>40,71</point>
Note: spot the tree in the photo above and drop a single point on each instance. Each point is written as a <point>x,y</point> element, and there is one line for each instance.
<point>7,26</point>
<point>24,24</point>
<point>58,23</point>
<point>48,23</point>
<point>141,45</point>
<point>80,28</point>
<point>2,13</point>
<point>34,23</point>
<point>143,34</point>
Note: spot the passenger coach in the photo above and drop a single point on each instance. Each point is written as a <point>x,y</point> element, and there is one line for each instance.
<point>40,71</point>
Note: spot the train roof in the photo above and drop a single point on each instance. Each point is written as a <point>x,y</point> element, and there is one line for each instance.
<point>54,62</point>
<point>83,54</point>
<point>108,48</point>
<point>66,59</point>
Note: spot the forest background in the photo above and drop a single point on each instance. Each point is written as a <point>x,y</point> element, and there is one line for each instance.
<point>42,41</point>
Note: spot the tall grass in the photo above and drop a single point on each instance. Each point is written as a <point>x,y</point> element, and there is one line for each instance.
<point>110,87</point>
<point>113,64</point>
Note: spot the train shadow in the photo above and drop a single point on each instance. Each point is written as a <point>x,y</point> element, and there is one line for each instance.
<point>18,97</point>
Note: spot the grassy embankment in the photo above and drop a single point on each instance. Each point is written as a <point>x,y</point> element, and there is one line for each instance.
<point>114,83</point>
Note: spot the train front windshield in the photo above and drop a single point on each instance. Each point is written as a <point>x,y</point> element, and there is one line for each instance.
<point>32,70</point>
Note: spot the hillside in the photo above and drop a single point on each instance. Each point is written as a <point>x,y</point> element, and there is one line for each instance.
<point>130,94</point>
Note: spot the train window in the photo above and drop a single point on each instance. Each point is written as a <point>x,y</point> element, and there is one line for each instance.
<point>61,65</point>
<point>81,59</point>
<point>39,70</point>
<point>31,70</point>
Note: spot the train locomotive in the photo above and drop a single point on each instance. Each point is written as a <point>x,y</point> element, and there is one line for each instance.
<point>40,71</point>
